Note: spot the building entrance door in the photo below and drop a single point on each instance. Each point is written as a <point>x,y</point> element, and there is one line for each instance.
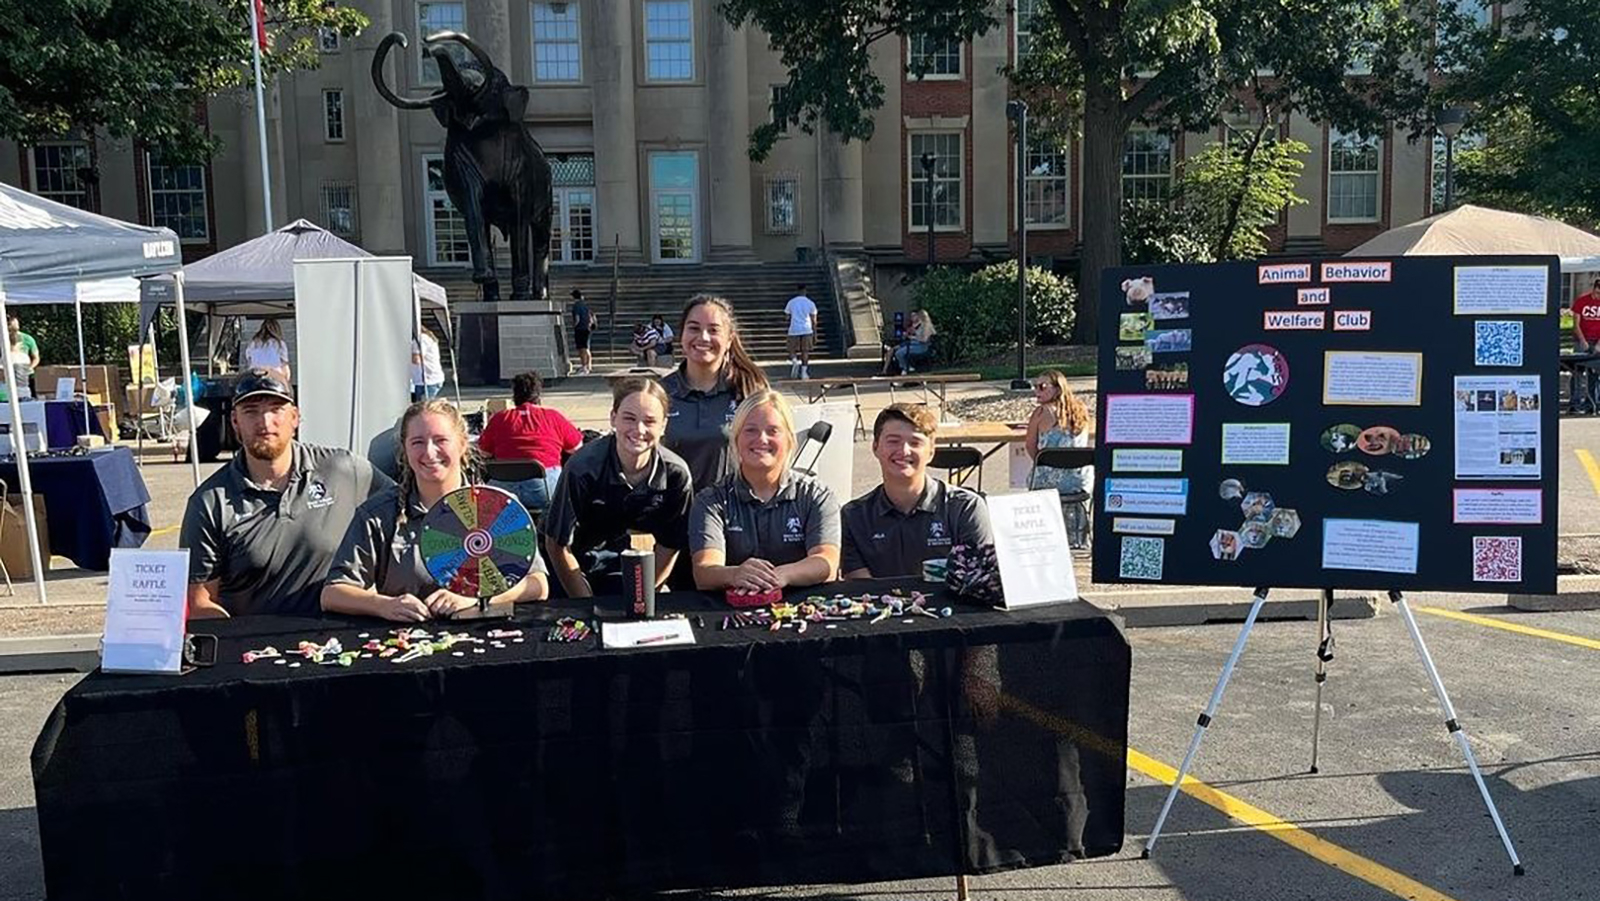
<point>675,206</point>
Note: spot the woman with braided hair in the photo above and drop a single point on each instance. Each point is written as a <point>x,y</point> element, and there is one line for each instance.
<point>378,569</point>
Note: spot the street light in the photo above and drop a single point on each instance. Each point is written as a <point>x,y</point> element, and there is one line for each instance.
<point>1449,123</point>
<point>928,159</point>
<point>1017,112</point>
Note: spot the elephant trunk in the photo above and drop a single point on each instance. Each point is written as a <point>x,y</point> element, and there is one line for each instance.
<point>378,58</point>
<point>472,46</point>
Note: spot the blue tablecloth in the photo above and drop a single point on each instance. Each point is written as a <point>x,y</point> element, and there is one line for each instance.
<point>63,423</point>
<point>94,502</point>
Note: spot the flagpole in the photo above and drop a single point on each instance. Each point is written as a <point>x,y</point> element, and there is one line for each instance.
<point>257,38</point>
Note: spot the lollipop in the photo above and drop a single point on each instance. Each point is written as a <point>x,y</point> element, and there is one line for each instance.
<point>478,541</point>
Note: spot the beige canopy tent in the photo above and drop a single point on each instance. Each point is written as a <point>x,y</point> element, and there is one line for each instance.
<point>1469,229</point>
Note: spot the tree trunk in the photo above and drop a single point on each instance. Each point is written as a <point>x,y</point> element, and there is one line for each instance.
<point>1103,132</point>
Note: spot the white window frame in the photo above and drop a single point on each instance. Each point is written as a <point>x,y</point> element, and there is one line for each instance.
<point>914,182</point>
<point>205,198</point>
<point>327,208</point>
<point>1166,178</point>
<point>87,191</point>
<point>1064,178</point>
<point>1375,173</point>
<point>770,185</point>
<point>1018,32</point>
<point>648,41</point>
<point>426,66</point>
<point>328,40</point>
<point>576,42</point>
<point>430,239</point>
<point>331,135</point>
<point>773,93</point>
<point>930,75</point>
<point>561,240</point>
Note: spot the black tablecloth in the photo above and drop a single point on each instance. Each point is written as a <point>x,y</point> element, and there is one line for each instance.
<point>981,742</point>
<point>94,502</point>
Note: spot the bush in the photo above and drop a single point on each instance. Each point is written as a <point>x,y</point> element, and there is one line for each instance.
<point>1156,232</point>
<point>975,314</point>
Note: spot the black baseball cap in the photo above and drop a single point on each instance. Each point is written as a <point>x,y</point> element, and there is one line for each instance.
<point>261,383</point>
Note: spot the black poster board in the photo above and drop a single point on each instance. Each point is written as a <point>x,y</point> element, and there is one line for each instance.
<point>1241,353</point>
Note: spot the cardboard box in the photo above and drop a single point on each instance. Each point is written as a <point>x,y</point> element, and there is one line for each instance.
<point>496,404</point>
<point>107,414</point>
<point>102,380</point>
<point>14,536</point>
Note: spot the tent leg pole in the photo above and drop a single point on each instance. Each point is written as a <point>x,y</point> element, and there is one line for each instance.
<point>188,386</point>
<point>19,445</point>
<point>83,363</point>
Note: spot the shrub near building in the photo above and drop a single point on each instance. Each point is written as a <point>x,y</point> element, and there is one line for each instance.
<point>975,313</point>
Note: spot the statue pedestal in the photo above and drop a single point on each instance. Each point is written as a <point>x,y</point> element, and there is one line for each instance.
<point>499,340</point>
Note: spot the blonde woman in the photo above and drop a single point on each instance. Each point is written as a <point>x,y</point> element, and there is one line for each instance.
<point>1059,420</point>
<point>267,350</point>
<point>378,569</point>
<point>764,527</point>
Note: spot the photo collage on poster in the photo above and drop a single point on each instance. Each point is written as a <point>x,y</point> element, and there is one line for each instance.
<point>1348,478</point>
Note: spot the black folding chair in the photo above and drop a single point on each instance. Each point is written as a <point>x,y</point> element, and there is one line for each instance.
<point>960,462</point>
<point>1075,504</point>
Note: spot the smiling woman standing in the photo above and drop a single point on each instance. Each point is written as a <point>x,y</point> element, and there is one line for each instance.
<point>765,526</point>
<point>716,375</point>
<point>378,570</point>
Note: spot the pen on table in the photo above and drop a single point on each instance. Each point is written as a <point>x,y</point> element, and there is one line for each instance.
<point>651,639</point>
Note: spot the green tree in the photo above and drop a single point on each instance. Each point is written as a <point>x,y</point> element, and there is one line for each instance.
<point>1158,232</point>
<point>1100,67</point>
<point>975,313</point>
<point>141,68</point>
<point>1235,191</point>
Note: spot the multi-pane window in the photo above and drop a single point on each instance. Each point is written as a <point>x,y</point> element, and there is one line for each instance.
<point>1046,184</point>
<point>339,209</point>
<point>58,171</point>
<point>783,204</point>
<point>178,198</point>
<point>1458,21</point>
<point>328,40</point>
<point>1146,165</point>
<point>436,17</point>
<point>556,43</point>
<point>572,225</point>
<point>1026,11</point>
<point>1352,177</point>
<point>333,115</point>
<point>668,40</point>
<point>1467,140</point>
<point>446,228</point>
<point>779,93</point>
<point>930,57</point>
<point>937,199</point>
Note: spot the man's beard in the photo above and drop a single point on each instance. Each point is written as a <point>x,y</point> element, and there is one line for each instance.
<point>267,448</point>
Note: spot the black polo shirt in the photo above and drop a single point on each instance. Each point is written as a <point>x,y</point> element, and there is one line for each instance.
<point>698,424</point>
<point>594,507</point>
<point>729,517</point>
<point>881,539</point>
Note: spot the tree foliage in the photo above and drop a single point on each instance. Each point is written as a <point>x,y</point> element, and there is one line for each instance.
<point>141,68</point>
<point>1235,192</point>
<point>975,313</point>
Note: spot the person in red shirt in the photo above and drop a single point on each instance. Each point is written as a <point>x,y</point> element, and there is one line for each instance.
<point>530,431</point>
<point>1586,340</point>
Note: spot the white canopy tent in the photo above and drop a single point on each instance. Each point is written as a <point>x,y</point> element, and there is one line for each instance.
<point>122,289</point>
<point>44,246</point>
<point>1468,230</point>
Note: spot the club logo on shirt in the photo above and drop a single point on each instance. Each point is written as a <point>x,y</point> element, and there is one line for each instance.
<point>318,495</point>
<point>791,528</point>
<point>937,534</point>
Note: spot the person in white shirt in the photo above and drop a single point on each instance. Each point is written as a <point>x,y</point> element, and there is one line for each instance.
<point>802,312</point>
<point>427,373</point>
<point>267,350</point>
<point>664,337</point>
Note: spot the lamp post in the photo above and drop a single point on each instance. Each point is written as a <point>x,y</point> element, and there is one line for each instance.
<point>1449,123</point>
<point>927,160</point>
<point>1017,112</point>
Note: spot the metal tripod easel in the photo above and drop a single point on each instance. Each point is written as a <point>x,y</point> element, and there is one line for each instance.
<point>1324,654</point>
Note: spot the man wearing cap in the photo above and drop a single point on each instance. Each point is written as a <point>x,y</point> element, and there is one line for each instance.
<point>911,517</point>
<point>262,530</point>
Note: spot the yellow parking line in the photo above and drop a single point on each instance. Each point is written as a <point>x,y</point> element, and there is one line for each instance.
<point>1563,637</point>
<point>1342,859</point>
<point>165,530</point>
<point>1589,466</point>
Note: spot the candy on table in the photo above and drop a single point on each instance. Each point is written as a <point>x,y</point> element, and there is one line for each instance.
<point>264,654</point>
<point>505,633</point>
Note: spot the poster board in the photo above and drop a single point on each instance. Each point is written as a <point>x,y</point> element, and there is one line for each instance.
<point>1358,424</point>
<point>353,322</point>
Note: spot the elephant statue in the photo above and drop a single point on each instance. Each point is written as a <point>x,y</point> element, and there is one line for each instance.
<point>494,171</point>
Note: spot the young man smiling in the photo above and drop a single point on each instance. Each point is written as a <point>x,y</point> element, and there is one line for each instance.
<point>912,516</point>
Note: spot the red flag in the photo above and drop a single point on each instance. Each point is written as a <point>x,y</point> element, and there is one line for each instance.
<point>261,24</point>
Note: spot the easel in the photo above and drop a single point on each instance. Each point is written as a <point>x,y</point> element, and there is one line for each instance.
<point>1324,654</point>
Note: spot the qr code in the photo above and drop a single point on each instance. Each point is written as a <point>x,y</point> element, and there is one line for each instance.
<point>1497,559</point>
<point>1142,557</point>
<point>1497,344</point>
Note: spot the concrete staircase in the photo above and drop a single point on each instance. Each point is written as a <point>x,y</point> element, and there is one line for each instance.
<point>757,292</point>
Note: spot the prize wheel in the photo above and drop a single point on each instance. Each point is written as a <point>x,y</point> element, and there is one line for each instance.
<point>478,541</point>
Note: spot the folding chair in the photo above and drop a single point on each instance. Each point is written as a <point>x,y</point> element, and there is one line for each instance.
<point>960,462</point>
<point>1075,504</point>
<point>515,475</point>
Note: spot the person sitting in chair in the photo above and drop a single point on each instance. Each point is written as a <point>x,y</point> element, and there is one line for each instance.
<point>530,431</point>
<point>1060,420</point>
<point>912,516</point>
<point>917,344</point>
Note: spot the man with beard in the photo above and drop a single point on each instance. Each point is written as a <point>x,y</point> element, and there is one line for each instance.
<point>262,530</point>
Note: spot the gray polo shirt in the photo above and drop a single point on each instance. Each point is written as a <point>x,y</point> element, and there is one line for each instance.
<point>730,518</point>
<point>271,549</point>
<point>594,507</point>
<point>697,426</point>
<point>381,553</point>
<point>881,539</point>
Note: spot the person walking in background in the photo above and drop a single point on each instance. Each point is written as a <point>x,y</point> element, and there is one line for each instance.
<point>706,389</point>
<point>267,350</point>
<point>530,431</point>
<point>802,312</point>
<point>427,373</point>
<point>1059,420</point>
<point>645,339</point>
<point>582,327</point>
<point>665,336</point>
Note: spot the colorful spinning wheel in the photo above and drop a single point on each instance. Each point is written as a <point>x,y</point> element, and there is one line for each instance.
<point>478,541</point>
